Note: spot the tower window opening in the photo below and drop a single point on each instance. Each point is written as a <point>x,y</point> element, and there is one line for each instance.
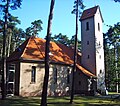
<point>99,43</point>
<point>88,12</point>
<point>88,56</point>
<point>87,26</point>
<point>98,26</point>
<point>87,42</point>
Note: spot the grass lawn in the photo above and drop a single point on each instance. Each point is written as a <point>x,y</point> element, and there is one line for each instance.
<point>60,101</point>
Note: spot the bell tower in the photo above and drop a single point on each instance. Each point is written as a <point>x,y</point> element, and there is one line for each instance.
<point>92,43</point>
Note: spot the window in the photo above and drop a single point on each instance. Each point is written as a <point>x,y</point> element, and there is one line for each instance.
<point>79,82</point>
<point>33,74</point>
<point>11,76</point>
<point>99,43</point>
<point>88,12</point>
<point>87,26</point>
<point>11,72</point>
<point>87,42</point>
<point>99,56</point>
<point>68,76</point>
<point>100,71</point>
<point>98,26</point>
<point>88,56</point>
<point>55,75</point>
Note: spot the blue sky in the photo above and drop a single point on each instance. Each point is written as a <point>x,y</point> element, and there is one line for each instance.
<point>63,21</point>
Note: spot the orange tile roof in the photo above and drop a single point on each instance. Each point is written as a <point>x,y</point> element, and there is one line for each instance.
<point>86,72</point>
<point>34,49</point>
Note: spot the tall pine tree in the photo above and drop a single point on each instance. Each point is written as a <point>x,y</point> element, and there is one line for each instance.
<point>77,11</point>
<point>46,77</point>
<point>7,4</point>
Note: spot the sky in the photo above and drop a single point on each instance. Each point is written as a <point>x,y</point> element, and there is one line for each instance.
<point>63,21</point>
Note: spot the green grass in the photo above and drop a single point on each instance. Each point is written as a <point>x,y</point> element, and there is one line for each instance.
<point>113,93</point>
<point>60,101</point>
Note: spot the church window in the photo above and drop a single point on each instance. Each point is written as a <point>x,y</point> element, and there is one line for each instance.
<point>33,74</point>
<point>68,76</point>
<point>87,25</point>
<point>55,75</point>
<point>100,56</point>
<point>98,26</point>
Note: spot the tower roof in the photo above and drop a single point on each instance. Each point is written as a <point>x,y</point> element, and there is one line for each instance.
<point>88,13</point>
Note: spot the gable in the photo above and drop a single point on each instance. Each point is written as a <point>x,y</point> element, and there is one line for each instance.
<point>18,52</point>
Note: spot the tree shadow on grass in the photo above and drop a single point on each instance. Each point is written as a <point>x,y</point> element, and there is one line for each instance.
<point>79,104</point>
<point>58,101</point>
<point>82,101</point>
<point>15,101</point>
<point>64,104</point>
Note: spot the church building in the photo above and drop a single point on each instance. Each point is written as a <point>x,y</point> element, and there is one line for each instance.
<point>26,66</point>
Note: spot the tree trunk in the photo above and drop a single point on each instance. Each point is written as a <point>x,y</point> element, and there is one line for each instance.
<point>46,77</point>
<point>1,52</point>
<point>14,46</point>
<point>75,57</point>
<point>116,66</point>
<point>9,42</point>
<point>4,54</point>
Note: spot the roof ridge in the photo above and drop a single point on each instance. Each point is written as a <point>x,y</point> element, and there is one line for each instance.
<point>38,47</point>
<point>92,8</point>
